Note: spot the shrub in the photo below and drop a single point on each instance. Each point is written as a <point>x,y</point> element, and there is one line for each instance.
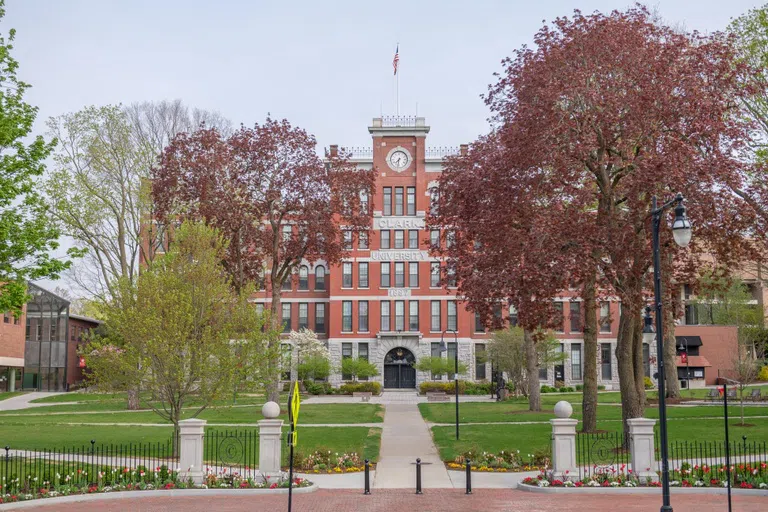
<point>439,366</point>
<point>317,388</point>
<point>477,388</point>
<point>358,368</point>
<point>360,387</point>
<point>566,389</point>
<point>600,387</point>
<point>579,387</point>
<point>648,383</point>
<point>314,367</point>
<point>559,383</point>
<point>547,389</point>
<point>447,387</point>
<point>763,375</point>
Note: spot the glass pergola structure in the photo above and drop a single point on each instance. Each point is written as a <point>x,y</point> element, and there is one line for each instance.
<point>45,350</point>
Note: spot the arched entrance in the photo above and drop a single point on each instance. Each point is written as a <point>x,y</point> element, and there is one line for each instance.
<point>398,369</point>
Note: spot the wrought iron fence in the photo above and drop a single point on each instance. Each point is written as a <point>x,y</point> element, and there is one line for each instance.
<point>229,452</point>
<point>712,453</point>
<point>600,452</point>
<point>91,464</point>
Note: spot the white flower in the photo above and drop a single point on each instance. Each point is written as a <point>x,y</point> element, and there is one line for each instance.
<point>107,489</point>
<point>629,484</point>
<point>568,483</point>
<point>203,486</point>
<point>698,483</point>
<point>763,486</point>
<point>543,483</point>
<point>593,483</point>
<point>674,483</point>
<point>614,484</point>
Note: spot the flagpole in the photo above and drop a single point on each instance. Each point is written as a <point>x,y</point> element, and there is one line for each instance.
<point>397,81</point>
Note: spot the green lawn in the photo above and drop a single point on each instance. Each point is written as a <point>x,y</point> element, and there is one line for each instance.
<point>533,438</point>
<point>310,413</point>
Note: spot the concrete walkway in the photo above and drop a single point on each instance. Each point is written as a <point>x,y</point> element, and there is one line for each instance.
<point>24,401</point>
<point>405,437</point>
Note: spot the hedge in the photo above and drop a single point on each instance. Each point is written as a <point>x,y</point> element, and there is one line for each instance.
<point>360,387</point>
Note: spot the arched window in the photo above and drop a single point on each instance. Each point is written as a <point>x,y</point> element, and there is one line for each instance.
<point>320,277</point>
<point>303,278</point>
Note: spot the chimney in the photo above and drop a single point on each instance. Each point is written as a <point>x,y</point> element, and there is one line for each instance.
<point>334,151</point>
<point>463,149</point>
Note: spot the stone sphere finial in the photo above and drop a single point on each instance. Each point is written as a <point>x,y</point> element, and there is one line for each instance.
<point>270,410</point>
<point>563,409</point>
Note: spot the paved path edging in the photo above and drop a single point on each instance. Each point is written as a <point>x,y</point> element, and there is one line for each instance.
<point>638,490</point>
<point>107,496</point>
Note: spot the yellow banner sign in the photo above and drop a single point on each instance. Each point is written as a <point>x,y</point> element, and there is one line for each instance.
<point>295,404</point>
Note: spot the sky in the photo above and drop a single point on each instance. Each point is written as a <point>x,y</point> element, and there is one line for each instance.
<point>325,66</point>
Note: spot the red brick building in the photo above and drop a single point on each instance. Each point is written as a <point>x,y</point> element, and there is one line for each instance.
<point>12,351</point>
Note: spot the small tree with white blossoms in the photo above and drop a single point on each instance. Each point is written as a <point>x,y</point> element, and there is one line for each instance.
<point>312,355</point>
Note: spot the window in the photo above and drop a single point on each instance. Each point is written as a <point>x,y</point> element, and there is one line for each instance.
<point>286,317</point>
<point>385,239</point>
<point>287,232</point>
<point>413,274</point>
<point>691,314</point>
<point>346,274</point>
<point>575,316</point>
<point>451,357</point>
<point>450,239</point>
<point>542,372</point>
<point>362,240</point>
<point>362,353</point>
<point>362,316</point>
<point>450,274</point>
<point>398,200</point>
<point>7,318</point>
<point>320,277</point>
<point>364,201</point>
<point>413,315</point>
<point>387,201</point>
<point>558,320</point>
<point>385,282</point>
<point>647,360</point>
<point>399,315</point>
<point>479,324</point>
<point>347,236</point>
<point>319,317</point>
<point>434,238</point>
<point>346,316</point>
<point>303,315</point>
<point>413,239</point>
<point>346,353</point>
<point>385,325</point>
<point>435,323</point>
<point>399,274</point>
<point>480,360</point>
<point>435,352</point>
<point>605,361</point>
<point>605,317</point>
<point>362,274</point>
<point>303,277</point>
<point>434,274</point>
<point>434,198</point>
<point>259,309</point>
<point>287,283</point>
<point>399,239</point>
<point>452,323</point>
<point>576,361</point>
<point>512,316</point>
<point>410,201</point>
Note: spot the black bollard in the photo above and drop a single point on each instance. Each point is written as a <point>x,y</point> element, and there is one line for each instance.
<point>418,476</point>
<point>469,476</point>
<point>367,477</point>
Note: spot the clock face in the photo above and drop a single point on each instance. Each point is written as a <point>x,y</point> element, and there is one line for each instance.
<point>398,160</point>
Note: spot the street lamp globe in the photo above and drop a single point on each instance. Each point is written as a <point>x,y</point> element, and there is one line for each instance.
<point>681,226</point>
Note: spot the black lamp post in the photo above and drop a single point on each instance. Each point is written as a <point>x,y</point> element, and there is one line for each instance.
<point>682,347</point>
<point>681,232</point>
<point>444,348</point>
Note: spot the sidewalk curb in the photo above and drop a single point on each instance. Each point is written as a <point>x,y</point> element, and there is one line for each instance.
<point>120,495</point>
<point>639,490</point>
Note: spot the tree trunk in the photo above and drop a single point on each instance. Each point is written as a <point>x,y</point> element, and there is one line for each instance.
<point>631,405</point>
<point>273,358</point>
<point>532,371</point>
<point>133,399</point>
<point>637,361</point>
<point>670,368</point>
<point>589,359</point>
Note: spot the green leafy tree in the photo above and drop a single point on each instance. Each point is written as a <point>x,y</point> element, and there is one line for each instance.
<point>358,368</point>
<point>180,330</point>
<point>314,367</point>
<point>507,353</point>
<point>439,365</point>
<point>27,234</point>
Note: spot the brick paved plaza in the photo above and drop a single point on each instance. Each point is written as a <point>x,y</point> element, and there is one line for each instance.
<point>484,500</point>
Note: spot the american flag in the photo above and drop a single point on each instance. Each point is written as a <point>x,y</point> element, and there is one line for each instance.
<point>397,58</point>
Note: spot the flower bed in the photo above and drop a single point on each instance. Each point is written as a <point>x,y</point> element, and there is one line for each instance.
<point>502,462</point>
<point>327,462</point>
<point>743,476</point>
<point>15,488</point>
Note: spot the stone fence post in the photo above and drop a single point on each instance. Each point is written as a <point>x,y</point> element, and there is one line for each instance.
<point>270,441</point>
<point>564,442</point>
<point>641,447</point>
<point>191,433</point>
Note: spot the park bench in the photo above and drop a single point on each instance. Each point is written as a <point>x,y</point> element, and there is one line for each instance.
<point>364,395</point>
<point>714,394</point>
<point>755,395</point>
<point>732,394</point>
<point>437,396</point>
